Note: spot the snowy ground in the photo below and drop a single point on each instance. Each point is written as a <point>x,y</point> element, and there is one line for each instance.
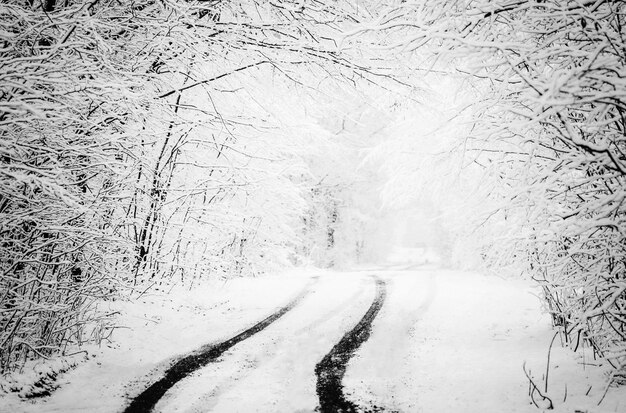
<point>443,341</point>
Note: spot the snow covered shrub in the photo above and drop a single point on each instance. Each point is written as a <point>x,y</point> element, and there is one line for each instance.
<point>133,148</point>
<point>569,121</point>
<point>66,93</point>
<point>549,130</point>
<point>584,290</point>
<point>39,379</point>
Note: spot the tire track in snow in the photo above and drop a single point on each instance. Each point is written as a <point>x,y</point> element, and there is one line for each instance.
<point>210,400</point>
<point>146,401</point>
<point>331,369</point>
<point>389,381</point>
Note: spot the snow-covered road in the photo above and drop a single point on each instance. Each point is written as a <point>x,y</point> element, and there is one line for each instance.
<point>274,370</point>
<point>442,341</point>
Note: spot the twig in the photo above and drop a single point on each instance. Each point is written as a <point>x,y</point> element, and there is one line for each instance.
<point>535,388</point>
<point>78,352</point>
<point>548,362</point>
<point>202,82</point>
<point>606,389</point>
<point>144,291</point>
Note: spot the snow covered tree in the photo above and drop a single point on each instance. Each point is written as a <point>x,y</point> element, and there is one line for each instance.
<point>132,148</point>
<point>550,129</point>
<point>66,93</point>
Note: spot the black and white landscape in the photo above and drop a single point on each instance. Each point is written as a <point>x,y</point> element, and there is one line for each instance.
<point>313,205</point>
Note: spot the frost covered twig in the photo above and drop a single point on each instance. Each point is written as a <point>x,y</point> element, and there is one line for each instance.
<point>534,389</point>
